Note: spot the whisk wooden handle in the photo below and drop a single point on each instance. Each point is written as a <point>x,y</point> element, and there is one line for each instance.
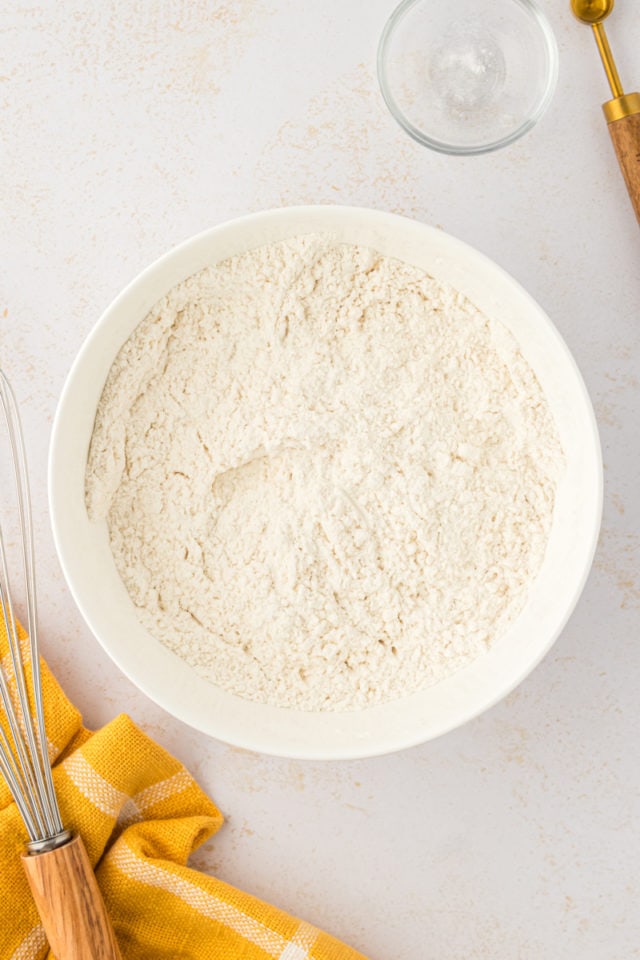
<point>625,134</point>
<point>70,904</point>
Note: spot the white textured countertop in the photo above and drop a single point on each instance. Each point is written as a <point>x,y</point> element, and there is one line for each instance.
<point>126,127</point>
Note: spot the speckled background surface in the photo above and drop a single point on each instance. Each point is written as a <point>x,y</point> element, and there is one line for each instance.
<point>127,127</point>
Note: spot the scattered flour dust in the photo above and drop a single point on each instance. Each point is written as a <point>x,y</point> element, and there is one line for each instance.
<point>328,478</point>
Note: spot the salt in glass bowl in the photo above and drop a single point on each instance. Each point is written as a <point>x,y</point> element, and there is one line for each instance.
<point>464,77</point>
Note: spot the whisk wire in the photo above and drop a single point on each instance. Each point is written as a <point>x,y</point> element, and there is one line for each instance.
<point>19,755</point>
<point>14,778</point>
<point>30,758</point>
<point>43,768</point>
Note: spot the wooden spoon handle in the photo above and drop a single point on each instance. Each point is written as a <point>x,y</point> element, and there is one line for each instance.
<point>625,134</point>
<point>70,904</point>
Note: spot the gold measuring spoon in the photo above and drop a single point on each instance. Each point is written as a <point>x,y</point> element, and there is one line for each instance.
<point>623,112</point>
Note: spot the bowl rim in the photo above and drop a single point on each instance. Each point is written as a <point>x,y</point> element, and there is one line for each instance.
<point>441,146</point>
<point>259,739</point>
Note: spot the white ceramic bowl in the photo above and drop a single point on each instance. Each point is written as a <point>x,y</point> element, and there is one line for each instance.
<point>88,564</point>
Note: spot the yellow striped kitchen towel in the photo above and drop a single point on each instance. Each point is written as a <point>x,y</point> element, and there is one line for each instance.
<point>141,815</point>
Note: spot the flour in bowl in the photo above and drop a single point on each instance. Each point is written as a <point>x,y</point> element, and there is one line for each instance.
<point>328,478</point>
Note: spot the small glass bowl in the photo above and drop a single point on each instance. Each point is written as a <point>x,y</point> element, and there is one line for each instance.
<point>464,77</point>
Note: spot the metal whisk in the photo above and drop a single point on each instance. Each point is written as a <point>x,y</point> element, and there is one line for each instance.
<point>23,762</point>
<point>56,863</point>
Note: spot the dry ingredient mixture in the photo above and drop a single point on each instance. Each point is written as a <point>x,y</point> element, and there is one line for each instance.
<point>328,478</point>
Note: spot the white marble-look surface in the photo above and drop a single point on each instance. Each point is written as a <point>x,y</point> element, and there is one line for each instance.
<point>126,127</point>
